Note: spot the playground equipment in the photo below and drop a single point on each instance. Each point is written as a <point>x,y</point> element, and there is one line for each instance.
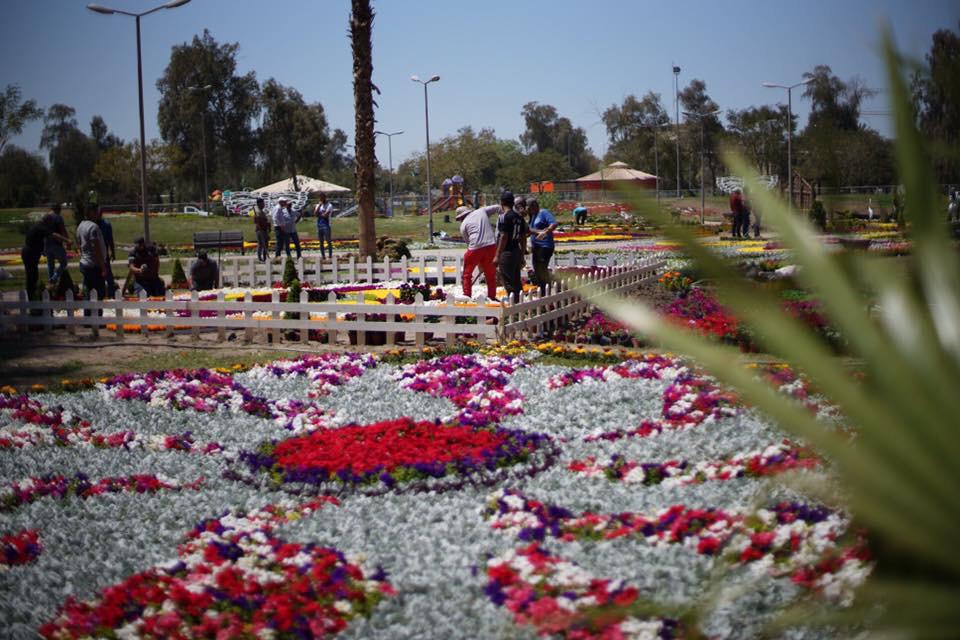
<point>453,195</point>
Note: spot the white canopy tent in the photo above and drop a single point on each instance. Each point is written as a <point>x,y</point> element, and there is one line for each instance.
<point>306,184</point>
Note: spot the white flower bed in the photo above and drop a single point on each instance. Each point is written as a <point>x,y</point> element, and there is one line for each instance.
<point>437,547</point>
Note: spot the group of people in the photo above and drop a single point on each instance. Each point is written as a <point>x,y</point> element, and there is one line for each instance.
<point>96,251</point>
<point>501,253</point>
<point>742,215</point>
<point>283,218</point>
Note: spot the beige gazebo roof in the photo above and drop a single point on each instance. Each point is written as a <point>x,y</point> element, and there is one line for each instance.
<point>306,183</point>
<point>617,171</point>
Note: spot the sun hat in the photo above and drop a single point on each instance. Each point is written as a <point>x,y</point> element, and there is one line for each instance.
<point>462,212</point>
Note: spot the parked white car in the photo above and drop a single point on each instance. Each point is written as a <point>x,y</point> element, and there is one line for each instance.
<point>194,211</point>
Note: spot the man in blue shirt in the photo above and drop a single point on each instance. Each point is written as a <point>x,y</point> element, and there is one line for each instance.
<point>542,226</point>
<point>580,214</point>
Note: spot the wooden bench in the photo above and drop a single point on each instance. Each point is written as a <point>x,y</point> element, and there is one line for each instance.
<point>218,240</point>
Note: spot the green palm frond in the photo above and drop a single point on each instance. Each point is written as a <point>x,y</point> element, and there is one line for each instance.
<point>898,459</point>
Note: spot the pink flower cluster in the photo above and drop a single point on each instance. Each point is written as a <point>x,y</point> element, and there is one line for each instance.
<point>478,385</point>
<point>776,458</point>
<point>43,425</point>
<point>326,370</point>
<point>29,490</point>
<point>556,596</point>
<point>207,391</point>
<point>808,544</point>
<point>233,578</point>
<point>18,548</point>
<point>649,367</point>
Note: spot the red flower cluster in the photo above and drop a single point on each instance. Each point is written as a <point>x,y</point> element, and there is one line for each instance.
<point>20,548</point>
<point>385,446</point>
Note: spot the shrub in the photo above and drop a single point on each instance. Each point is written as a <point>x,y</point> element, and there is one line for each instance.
<point>293,296</point>
<point>290,273</point>
<point>818,215</point>
<point>179,279</point>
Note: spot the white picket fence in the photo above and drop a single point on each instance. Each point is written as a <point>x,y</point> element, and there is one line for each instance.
<point>356,321</point>
<point>247,271</point>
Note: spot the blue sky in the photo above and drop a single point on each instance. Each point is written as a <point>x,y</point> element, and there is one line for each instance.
<point>492,56</point>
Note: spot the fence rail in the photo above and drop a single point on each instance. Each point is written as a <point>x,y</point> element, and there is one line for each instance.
<point>247,271</point>
<point>351,319</point>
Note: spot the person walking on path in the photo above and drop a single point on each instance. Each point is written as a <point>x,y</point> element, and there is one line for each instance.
<point>261,223</point>
<point>481,242</point>
<point>204,273</point>
<point>511,246</point>
<point>542,226</point>
<point>93,256</point>
<point>55,244</point>
<point>322,211</point>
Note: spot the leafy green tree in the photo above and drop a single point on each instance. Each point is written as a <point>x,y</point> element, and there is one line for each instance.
<point>72,153</point>
<point>546,129</point>
<point>294,137</point>
<point>15,113</point>
<point>632,135</point>
<point>23,178</point>
<point>226,110</point>
<point>936,94</point>
<point>694,99</point>
<point>101,135</point>
<point>758,134</point>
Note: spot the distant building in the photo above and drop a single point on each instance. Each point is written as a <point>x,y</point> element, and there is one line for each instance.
<point>599,184</point>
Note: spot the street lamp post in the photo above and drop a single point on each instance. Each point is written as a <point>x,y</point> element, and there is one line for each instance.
<point>676,102</point>
<point>656,156</point>
<point>789,89</point>
<point>426,117</point>
<point>390,151</point>
<point>703,192</point>
<point>203,138</point>
<point>173,4</point>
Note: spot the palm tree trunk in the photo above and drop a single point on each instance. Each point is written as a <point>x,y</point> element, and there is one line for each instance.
<point>361,28</point>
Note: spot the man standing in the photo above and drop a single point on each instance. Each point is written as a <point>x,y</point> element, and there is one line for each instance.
<point>278,214</point>
<point>511,246</point>
<point>204,273</point>
<point>542,226</point>
<point>55,244</point>
<point>481,242</point>
<point>323,211</point>
<point>738,209</point>
<point>262,225</point>
<point>93,256</point>
<point>32,250</point>
<point>286,219</point>
<point>106,230</point>
<point>145,265</point>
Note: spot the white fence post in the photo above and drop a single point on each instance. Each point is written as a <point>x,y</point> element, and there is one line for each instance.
<point>275,315</point>
<point>248,317</point>
<point>142,313</point>
<point>194,313</point>
<point>304,319</point>
<point>221,315</point>
<point>47,312</point>
<point>169,313</point>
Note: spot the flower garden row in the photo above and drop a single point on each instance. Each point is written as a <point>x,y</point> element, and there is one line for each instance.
<point>467,495</point>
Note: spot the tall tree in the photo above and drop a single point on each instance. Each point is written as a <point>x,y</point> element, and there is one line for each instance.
<point>546,129</point>
<point>694,99</point>
<point>361,40</point>
<point>294,136</point>
<point>101,135</point>
<point>634,127</point>
<point>72,153</point>
<point>936,89</point>
<point>759,135</point>
<point>15,113</point>
<point>222,114</point>
<point>834,103</point>
<point>23,178</point>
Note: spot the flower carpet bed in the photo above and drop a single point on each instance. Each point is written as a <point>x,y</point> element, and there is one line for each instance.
<point>464,496</point>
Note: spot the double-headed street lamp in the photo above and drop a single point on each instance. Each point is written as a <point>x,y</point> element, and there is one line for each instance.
<point>426,117</point>
<point>789,89</point>
<point>173,4</point>
<point>700,116</point>
<point>390,148</point>
<point>203,138</point>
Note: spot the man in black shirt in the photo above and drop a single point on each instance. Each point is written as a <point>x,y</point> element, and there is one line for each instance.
<point>511,246</point>
<point>204,273</point>
<point>33,248</point>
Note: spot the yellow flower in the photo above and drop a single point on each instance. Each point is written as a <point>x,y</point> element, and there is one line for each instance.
<point>7,389</point>
<point>38,387</point>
